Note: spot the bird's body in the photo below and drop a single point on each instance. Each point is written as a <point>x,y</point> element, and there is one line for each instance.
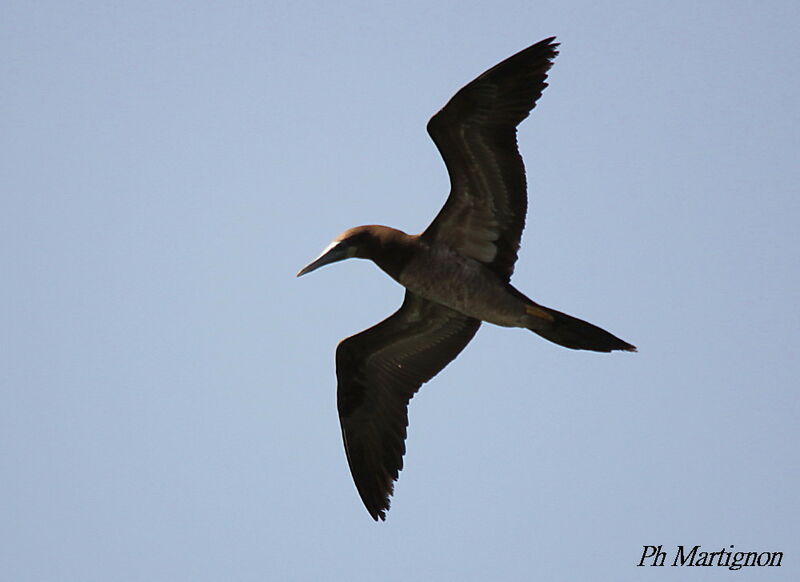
<point>440,274</point>
<point>456,273</point>
<point>444,276</point>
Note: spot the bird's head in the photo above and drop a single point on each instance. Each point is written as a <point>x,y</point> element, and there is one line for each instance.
<point>356,242</point>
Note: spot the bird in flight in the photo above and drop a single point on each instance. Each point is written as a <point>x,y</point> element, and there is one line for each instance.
<point>456,273</point>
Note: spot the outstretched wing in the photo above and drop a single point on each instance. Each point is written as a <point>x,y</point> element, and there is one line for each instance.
<point>379,370</point>
<point>476,134</point>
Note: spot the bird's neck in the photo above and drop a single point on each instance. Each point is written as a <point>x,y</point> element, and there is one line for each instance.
<point>390,249</point>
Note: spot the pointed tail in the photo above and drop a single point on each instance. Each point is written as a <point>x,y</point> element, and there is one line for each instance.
<point>571,332</point>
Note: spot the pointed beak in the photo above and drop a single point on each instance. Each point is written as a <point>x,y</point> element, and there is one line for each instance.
<point>335,252</point>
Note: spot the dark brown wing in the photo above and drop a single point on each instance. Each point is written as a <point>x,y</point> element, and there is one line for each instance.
<point>477,137</point>
<point>379,370</point>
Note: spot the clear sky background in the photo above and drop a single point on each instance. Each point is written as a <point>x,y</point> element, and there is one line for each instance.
<point>167,405</point>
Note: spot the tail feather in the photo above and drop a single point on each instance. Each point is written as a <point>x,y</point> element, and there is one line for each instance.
<point>572,332</point>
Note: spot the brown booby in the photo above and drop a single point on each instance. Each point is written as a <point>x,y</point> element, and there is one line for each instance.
<point>456,273</point>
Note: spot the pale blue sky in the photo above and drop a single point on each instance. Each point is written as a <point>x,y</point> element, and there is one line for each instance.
<point>168,387</point>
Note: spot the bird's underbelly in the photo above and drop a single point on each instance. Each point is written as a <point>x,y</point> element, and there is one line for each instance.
<point>466,286</point>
